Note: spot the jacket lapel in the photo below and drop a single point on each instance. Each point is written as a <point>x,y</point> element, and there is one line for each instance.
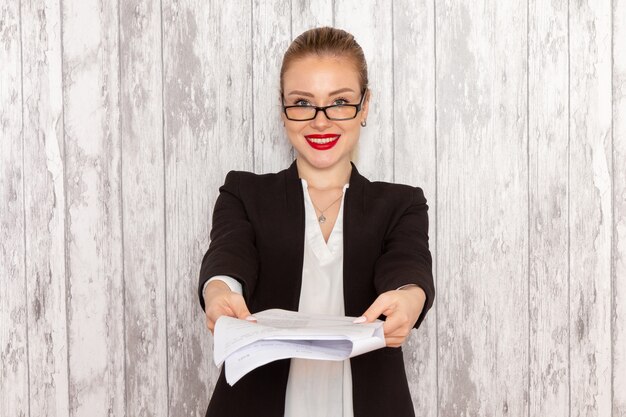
<point>355,242</point>
<point>294,249</point>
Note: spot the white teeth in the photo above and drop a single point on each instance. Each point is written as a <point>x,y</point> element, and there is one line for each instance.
<point>322,141</point>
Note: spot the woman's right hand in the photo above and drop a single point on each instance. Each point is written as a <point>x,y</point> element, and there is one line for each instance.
<point>221,301</point>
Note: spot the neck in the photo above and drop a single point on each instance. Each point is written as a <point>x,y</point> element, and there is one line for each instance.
<point>327,178</point>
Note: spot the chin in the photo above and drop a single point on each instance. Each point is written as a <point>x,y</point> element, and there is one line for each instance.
<point>321,163</point>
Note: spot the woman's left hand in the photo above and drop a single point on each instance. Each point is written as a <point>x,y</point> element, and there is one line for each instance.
<point>401,307</point>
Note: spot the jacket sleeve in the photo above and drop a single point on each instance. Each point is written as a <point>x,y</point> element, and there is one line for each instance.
<point>405,257</point>
<point>232,250</point>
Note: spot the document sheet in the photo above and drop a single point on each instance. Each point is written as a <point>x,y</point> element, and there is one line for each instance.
<point>243,346</point>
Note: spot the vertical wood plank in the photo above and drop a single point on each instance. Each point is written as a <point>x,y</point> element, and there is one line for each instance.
<point>93,214</point>
<point>208,118</point>
<point>590,207</point>
<point>143,208</point>
<point>44,196</point>
<point>370,23</point>
<point>482,208</point>
<point>618,315</point>
<point>415,163</point>
<point>13,298</point>
<point>306,15</point>
<point>271,35</point>
<point>548,223</point>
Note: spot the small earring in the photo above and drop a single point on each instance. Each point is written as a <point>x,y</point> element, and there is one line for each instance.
<point>363,123</point>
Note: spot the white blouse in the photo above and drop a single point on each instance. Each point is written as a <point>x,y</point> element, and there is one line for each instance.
<point>318,388</point>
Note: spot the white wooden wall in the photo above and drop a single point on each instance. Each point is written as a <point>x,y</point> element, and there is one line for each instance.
<point>120,119</point>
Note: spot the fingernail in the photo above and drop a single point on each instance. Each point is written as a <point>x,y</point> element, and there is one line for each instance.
<point>361,319</point>
<point>251,318</point>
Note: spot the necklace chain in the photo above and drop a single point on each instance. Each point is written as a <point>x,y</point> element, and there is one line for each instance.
<point>321,217</point>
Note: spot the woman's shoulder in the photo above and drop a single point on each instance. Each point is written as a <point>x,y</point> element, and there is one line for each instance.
<point>250,181</point>
<point>397,191</point>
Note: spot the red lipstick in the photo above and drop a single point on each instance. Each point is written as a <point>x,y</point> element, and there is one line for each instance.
<point>328,141</point>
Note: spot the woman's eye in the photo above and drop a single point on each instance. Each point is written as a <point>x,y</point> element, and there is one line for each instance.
<point>303,102</point>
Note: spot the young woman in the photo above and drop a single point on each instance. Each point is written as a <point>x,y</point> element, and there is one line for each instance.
<point>318,237</point>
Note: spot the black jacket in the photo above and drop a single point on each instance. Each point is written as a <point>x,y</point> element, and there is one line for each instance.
<point>258,238</point>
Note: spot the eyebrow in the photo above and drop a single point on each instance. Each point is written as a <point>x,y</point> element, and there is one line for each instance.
<point>332,93</point>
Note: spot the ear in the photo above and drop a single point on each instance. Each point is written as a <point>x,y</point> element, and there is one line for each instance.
<point>366,104</point>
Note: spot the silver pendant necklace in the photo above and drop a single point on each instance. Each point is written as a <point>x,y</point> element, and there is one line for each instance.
<point>321,217</point>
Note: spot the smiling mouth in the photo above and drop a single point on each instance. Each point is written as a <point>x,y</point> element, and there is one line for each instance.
<point>321,141</point>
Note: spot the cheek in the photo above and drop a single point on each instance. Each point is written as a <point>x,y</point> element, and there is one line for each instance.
<point>292,134</point>
<point>354,130</point>
<point>293,130</point>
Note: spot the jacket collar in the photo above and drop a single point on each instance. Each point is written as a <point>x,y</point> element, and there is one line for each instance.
<point>355,194</point>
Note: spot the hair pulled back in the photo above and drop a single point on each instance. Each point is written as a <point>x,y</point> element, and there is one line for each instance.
<point>326,42</point>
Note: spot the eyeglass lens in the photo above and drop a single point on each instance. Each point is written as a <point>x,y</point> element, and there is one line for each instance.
<point>334,112</point>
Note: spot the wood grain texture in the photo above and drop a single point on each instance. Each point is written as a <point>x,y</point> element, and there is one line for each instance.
<point>112,153</point>
<point>590,208</point>
<point>482,206</point>
<point>306,15</point>
<point>14,366</point>
<point>93,243</point>
<point>618,315</point>
<point>415,163</point>
<point>143,196</point>
<point>370,23</point>
<point>271,35</point>
<point>208,119</point>
<point>44,200</point>
<point>548,120</point>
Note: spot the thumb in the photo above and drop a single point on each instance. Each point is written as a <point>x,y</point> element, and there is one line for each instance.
<point>240,309</point>
<point>378,307</point>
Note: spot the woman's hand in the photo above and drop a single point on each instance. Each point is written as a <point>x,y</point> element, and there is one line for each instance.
<point>221,301</point>
<point>402,308</point>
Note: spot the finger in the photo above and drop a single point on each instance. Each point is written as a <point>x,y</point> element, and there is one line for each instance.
<point>400,334</point>
<point>393,342</point>
<point>210,324</point>
<point>218,310</point>
<point>392,325</point>
<point>397,321</point>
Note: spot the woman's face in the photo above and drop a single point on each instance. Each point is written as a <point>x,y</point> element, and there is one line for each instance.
<point>323,81</point>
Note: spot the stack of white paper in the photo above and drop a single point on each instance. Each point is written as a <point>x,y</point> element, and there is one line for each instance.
<point>281,334</point>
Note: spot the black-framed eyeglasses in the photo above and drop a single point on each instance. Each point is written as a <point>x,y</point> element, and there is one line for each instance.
<point>333,112</point>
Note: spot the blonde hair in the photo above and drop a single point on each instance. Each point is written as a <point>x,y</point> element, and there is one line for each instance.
<point>326,41</point>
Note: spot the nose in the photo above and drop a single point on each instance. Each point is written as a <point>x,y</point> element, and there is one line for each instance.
<point>320,122</point>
